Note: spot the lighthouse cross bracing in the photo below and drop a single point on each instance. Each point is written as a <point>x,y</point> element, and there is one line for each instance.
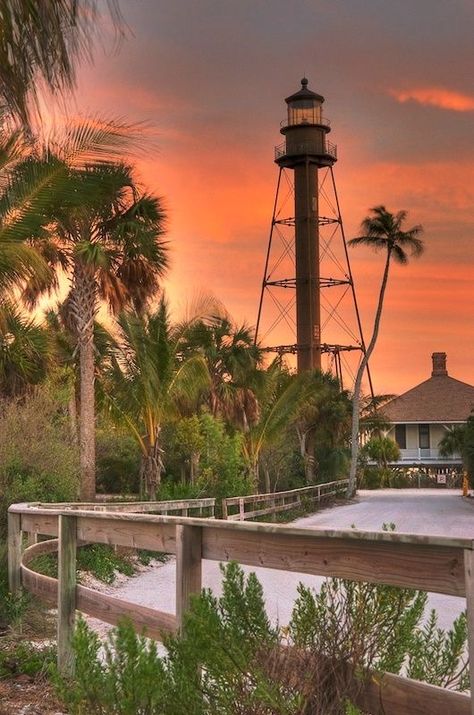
<point>308,295</point>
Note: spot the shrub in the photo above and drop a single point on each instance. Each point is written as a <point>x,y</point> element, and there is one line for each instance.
<point>39,458</point>
<point>118,461</point>
<point>230,659</point>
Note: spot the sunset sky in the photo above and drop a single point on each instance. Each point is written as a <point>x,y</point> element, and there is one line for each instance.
<point>211,75</point>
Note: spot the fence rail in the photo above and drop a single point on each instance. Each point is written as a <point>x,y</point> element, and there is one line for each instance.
<point>430,563</point>
<point>275,502</point>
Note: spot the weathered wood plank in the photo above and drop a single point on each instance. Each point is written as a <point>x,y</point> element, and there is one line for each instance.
<point>45,524</point>
<point>107,608</point>
<point>339,484</point>
<point>393,695</point>
<point>469,575</point>
<point>439,570</point>
<point>188,567</point>
<point>118,529</point>
<point>133,507</point>
<point>14,553</point>
<point>45,587</point>
<point>66,592</point>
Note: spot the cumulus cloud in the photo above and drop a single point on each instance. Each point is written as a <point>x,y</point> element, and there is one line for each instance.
<point>436,97</point>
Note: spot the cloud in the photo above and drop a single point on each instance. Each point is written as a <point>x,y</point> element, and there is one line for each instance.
<point>436,97</point>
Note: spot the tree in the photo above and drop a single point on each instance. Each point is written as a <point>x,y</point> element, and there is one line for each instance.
<point>322,419</point>
<point>381,230</point>
<point>25,352</point>
<point>278,398</point>
<point>233,362</point>
<point>148,380</point>
<point>382,450</point>
<point>41,42</point>
<point>106,236</point>
<point>459,439</point>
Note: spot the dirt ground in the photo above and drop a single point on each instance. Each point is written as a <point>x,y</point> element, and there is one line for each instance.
<point>18,694</point>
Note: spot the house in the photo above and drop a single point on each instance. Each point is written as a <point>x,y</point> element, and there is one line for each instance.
<point>421,417</point>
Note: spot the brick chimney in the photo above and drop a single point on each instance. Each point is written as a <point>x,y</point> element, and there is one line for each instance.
<point>439,365</point>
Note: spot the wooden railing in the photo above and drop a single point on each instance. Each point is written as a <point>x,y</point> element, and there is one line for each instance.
<point>436,564</point>
<point>274,502</point>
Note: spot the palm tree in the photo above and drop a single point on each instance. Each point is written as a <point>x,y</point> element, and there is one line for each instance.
<point>278,397</point>
<point>106,237</point>
<point>322,419</point>
<point>459,439</point>
<point>25,352</point>
<point>381,230</point>
<point>41,42</point>
<point>148,380</point>
<point>233,361</point>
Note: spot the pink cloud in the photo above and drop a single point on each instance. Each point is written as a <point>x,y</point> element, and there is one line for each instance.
<point>436,97</point>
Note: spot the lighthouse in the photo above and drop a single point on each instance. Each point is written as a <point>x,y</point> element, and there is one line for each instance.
<point>311,256</point>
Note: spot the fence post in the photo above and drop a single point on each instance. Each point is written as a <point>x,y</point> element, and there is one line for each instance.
<point>469,579</point>
<point>224,509</point>
<point>188,567</point>
<point>241,510</point>
<point>67,532</point>
<point>14,553</point>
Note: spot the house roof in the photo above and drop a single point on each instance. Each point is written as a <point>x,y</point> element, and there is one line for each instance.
<point>441,398</point>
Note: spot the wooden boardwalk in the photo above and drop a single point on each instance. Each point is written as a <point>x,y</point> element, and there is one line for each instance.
<point>430,563</point>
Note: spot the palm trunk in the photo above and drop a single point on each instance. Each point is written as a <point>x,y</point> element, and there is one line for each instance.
<point>194,467</point>
<point>352,486</point>
<point>152,467</point>
<point>82,304</point>
<point>87,422</point>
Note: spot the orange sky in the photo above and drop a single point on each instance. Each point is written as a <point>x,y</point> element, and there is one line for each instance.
<point>211,77</point>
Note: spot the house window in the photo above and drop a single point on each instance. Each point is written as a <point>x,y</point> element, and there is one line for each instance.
<point>401,436</point>
<point>424,436</point>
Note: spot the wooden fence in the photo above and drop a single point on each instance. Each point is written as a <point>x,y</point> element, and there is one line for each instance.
<point>436,564</point>
<point>274,502</point>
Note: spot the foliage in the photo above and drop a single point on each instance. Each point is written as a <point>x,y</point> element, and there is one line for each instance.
<point>40,46</point>
<point>223,473</point>
<point>233,361</point>
<point>130,680</point>
<point>100,560</point>
<point>24,351</point>
<point>148,381</point>
<point>231,660</point>
<point>103,561</point>
<point>38,456</point>
<point>118,460</point>
<point>382,450</point>
<point>25,658</point>
<point>439,657</point>
<point>322,420</point>
<point>460,439</point>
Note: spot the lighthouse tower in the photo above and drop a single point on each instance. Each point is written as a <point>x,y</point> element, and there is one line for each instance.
<point>306,159</point>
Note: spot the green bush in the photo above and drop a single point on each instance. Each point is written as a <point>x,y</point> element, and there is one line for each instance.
<point>39,458</point>
<point>100,560</point>
<point>230,659</point>
<point>118,461</point>
<point>371,478</point>
<point>25,658</point>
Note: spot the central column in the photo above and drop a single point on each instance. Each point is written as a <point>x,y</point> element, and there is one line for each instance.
<point>308,308</point>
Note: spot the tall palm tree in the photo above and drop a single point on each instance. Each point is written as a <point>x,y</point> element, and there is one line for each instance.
<point>381,231</point>
<point>106,237</point>
<point>41,43</point>
<point>148,380</point>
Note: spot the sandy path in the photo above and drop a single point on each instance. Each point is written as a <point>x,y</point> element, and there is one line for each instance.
<point>427,511</point>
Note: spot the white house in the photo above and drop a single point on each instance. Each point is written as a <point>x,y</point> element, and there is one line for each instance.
<point>421,417</point>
